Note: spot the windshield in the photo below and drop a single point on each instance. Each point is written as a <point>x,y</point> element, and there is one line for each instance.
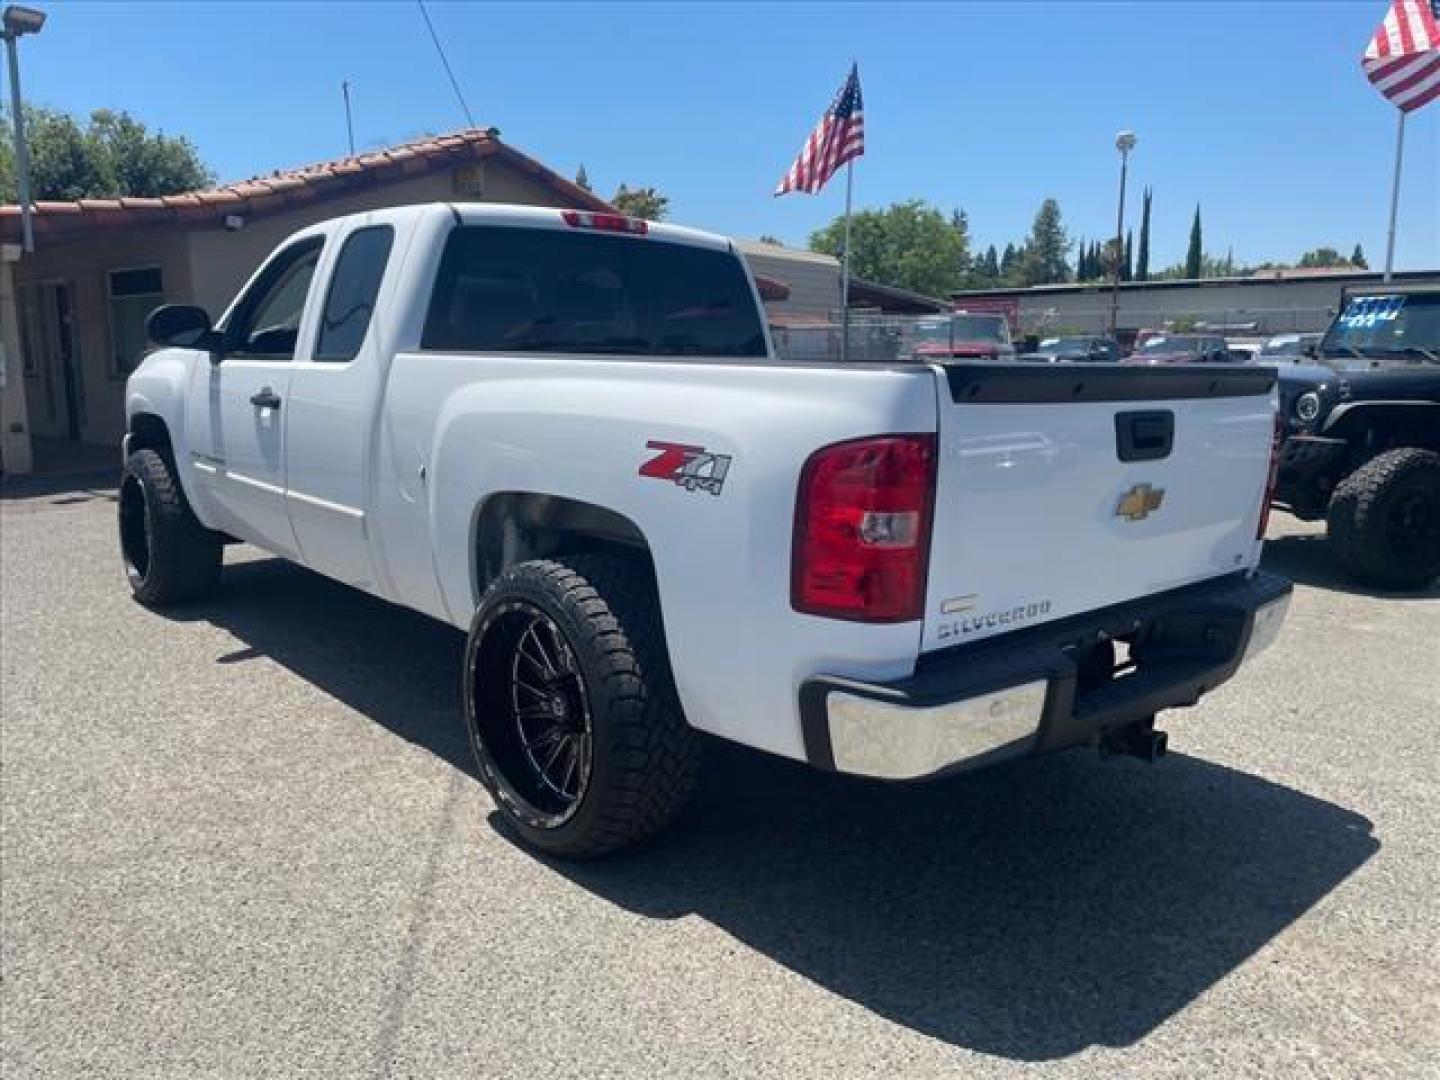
<point>982,328</point>
<point>505,289</point>
<point>1292,347</point>
<point>1169,345</point>
<point>1065,344</point>
<point>967,328</point>
<point>1380,328</point>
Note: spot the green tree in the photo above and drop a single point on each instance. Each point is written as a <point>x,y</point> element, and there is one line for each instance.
<point>1127,268</point>
<point>992,264</point>
<point>1196,252</point>
<point>643,202</point>
<point>909,245</point>
<point>1082,261</point>
<point>1357,258</point>
<point>1322,258</point>
<point>582,178</point>
<point>112,155</point>
<point>1046,248</point>
<point>1142,254</point>
<point>766,238</point>
<point>960,222</point>
<point>1010,264</point>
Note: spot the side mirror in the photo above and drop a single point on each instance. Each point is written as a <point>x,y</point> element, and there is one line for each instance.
<point>182,326</point>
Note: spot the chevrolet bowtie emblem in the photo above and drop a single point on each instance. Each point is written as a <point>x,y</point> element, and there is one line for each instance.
<point>1139,502</point>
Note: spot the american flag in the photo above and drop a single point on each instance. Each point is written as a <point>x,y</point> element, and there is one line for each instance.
<point>838,138</point>
<point>1403,58</point>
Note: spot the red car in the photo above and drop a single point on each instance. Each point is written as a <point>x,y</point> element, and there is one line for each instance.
<point>1182,349</point>
<point>962,336</point>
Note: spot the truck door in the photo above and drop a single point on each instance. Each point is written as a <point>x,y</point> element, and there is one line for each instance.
<point>236,406</point>
<point>328,417</point>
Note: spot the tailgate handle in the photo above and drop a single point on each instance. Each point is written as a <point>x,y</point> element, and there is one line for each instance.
<point>1144,436</point>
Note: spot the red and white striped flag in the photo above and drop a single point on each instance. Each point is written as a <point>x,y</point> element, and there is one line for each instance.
<point>1403,58</point>
<point>838,138</point>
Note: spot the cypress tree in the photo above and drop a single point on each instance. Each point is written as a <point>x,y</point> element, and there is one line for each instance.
<point>1127,270</point>
<point>1195,253</point>
<point>1142,256</point>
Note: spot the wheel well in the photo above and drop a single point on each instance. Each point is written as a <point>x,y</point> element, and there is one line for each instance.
<point>148,432</point>
<point>517,526</point>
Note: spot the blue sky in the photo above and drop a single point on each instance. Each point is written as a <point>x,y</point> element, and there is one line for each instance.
<point>1258,111</point>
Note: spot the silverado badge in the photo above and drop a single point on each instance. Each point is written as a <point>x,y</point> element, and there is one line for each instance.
<point>1139,502</point>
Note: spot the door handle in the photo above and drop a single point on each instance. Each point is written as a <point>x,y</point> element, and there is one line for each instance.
<point>265,399</point>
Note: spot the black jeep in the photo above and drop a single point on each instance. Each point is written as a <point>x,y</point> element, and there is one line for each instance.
<point>1362,427</point>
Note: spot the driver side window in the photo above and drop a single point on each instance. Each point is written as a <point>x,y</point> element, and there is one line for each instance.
<point>266,323</point>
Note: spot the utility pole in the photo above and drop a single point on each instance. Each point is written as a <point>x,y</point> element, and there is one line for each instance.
<point>349,122</point>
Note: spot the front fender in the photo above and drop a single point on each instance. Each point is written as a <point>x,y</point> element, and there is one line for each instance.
<point>1397,422</point>
<point>158,388</point>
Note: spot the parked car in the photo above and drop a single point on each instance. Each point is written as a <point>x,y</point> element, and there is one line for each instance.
<point>1080,349</point>
<point>566,433</point>
<point>1289,348</point>
<point>1243,352</point>
<point>1362,438</point>
<point>1181,349</point>
<point>962,336</point>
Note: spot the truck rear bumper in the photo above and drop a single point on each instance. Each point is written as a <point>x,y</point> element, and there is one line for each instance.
<point>1046,688</point>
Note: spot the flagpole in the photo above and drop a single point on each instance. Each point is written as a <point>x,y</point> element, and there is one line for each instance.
<point>1394,196</point>
<point>845,269</point>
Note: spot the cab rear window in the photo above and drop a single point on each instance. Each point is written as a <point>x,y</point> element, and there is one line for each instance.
<point>507,289</point>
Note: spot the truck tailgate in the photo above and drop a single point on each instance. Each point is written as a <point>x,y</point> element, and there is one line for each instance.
<point>1063,490</point>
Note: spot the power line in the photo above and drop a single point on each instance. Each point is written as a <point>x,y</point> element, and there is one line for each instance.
<point>445,62</point>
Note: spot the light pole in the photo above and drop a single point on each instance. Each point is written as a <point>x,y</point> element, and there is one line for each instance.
<point>1124,142</point>
<point>19,21</point>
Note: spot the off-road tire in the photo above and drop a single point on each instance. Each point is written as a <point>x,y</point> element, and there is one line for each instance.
<point>644,756</point>
<point>169,557</point>
<point>1362,516</point>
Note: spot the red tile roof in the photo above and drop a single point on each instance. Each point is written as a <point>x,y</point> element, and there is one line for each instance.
<point>291,187</point>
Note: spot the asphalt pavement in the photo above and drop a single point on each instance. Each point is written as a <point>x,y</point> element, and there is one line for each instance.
<point>245,839</point>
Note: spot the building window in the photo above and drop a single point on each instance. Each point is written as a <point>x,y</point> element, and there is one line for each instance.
<point>133,294</point>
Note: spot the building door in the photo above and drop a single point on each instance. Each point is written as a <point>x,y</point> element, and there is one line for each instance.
<point>65,357</point>
<point>56,394</point>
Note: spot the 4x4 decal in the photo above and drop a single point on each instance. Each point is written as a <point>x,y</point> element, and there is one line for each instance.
<point>691,467</point>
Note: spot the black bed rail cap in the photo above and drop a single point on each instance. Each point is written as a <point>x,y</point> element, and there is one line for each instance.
<point>993,384</point>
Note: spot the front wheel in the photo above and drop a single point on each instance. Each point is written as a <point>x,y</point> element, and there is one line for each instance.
<point>169,556</point>
<point>1384,520</point>
<point>573,716</point>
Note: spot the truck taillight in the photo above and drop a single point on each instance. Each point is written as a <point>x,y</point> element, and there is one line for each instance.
<point>1276,442</point>
<point>617,223</point>
<point>862,529</point>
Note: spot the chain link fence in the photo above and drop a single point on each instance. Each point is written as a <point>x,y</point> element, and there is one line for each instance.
<point>878,338</point>
<point>1232,322</point>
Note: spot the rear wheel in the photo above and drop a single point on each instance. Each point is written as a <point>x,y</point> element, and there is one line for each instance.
<point>1384,520</point>
<point>169,556</point>
<point>573,717</point>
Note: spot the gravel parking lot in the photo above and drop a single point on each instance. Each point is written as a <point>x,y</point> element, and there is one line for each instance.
<point>245,840</point>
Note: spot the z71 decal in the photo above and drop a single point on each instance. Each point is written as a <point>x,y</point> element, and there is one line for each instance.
<point>692,467</point>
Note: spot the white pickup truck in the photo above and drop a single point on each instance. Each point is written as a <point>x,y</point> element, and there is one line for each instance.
<point>566,433</point>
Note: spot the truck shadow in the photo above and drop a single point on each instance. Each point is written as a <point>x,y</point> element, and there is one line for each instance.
<point>1027,912</point>
<point>1306,559</point>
